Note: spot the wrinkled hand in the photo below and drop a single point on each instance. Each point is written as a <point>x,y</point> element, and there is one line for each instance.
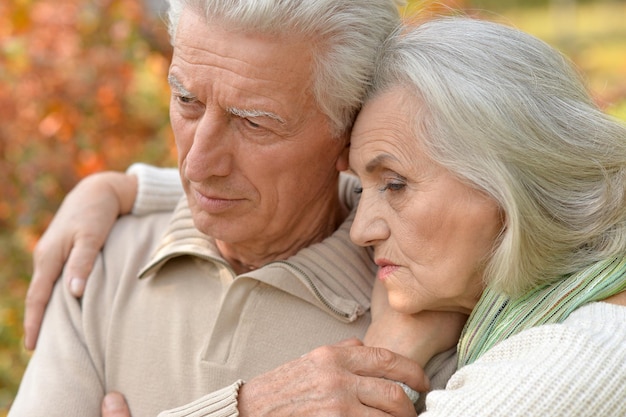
<point>418,336</point>
<point>347,379</point>
<point>75,235</point>
<point>114,405</point>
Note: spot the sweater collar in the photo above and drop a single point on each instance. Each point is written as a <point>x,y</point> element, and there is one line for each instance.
<point>334,274</point>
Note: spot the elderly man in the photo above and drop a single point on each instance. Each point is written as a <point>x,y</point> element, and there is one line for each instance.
<point>254,267</point>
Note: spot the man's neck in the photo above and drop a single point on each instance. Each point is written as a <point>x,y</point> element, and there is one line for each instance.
<point>245,257</point>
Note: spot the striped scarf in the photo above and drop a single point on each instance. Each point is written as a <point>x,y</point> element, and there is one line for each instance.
<point>497,317</point>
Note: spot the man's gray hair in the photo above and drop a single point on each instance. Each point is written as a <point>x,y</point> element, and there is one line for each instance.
<point>345,36</point>
<point>511,116</point>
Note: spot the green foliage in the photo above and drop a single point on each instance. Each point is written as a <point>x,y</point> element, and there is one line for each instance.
<point>83,88</point>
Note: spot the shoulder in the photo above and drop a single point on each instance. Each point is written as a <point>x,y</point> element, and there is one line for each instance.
<point>591,329</point>
<point>593,334</point>
<point>128,248</point>
<point>135,236</point>
<point>598,320</point>
<point>574,368</point>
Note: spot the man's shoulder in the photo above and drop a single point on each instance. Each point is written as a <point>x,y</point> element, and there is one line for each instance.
<point>135,236</point>
<point>142,225</point>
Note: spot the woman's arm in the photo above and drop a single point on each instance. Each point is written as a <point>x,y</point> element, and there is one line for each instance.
<point>419,337</point>
<point>82,224</point>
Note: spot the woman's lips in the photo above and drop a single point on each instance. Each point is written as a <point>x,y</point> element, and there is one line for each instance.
<point>385,268</point>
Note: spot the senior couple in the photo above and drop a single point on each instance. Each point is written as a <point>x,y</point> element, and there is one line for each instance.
<point>489,186</point>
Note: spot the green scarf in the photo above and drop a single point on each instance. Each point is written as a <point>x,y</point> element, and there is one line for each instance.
<point>497,317</point>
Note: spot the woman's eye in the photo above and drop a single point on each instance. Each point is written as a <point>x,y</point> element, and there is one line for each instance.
<point>393,186</point>
<point>358,190</point>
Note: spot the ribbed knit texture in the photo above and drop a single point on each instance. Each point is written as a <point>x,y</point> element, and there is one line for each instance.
<point>159,189</point>
<point>573,369</point>
<point>222,403</point>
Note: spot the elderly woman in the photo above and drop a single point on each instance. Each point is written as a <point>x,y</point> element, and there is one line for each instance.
<point>492,186</point>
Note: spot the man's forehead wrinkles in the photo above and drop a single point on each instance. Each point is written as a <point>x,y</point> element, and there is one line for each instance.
<point>202,71</point>
<point>254,66</point>
<point>203,76</point>
<point>246,88</point>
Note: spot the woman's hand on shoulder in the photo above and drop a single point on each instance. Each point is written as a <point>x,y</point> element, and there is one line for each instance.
<point>73,240</point>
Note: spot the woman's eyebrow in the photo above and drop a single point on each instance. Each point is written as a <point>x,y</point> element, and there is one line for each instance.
<point>379,160</point>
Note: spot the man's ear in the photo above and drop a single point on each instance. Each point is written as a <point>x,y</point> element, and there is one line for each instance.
<point>343,160</point>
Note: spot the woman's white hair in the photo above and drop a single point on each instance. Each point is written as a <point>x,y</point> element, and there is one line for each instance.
<point>345,35</point>
<point>510,115</point>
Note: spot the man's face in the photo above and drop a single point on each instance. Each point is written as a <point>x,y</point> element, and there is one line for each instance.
<point>255,153</point>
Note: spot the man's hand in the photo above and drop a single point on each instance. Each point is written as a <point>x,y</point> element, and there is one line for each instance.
<point>418,336</point>
<point>75,235</point>
<point>347,379</point>
<point>114,405</point>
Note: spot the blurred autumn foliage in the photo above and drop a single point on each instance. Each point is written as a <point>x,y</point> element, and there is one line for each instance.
<point>83,88</point>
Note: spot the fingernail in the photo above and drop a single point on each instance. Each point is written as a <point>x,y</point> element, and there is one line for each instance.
<point>77,286</point>
<point>410,392</point>
<point>113,402</point>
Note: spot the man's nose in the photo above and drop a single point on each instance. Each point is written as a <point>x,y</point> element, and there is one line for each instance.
<point>213,149</point>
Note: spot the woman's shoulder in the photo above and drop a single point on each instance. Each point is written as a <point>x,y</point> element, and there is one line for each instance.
<point>597,319</point>
<point>595,329</point>
<point>573,368</point>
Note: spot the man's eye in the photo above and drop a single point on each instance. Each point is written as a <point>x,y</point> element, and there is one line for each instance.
<point>252,124</point>
<point>186,99</point>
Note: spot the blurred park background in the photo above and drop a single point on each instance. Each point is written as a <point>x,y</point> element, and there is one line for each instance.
<point>83,88</point>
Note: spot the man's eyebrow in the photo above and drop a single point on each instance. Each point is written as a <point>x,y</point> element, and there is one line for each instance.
<point>174,83</point>
<point>255,113</point>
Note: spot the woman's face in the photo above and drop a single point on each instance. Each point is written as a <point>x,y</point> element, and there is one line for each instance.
<point>431,233</point>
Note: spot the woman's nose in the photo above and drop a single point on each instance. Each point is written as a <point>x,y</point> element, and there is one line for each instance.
<point>369,226</point>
